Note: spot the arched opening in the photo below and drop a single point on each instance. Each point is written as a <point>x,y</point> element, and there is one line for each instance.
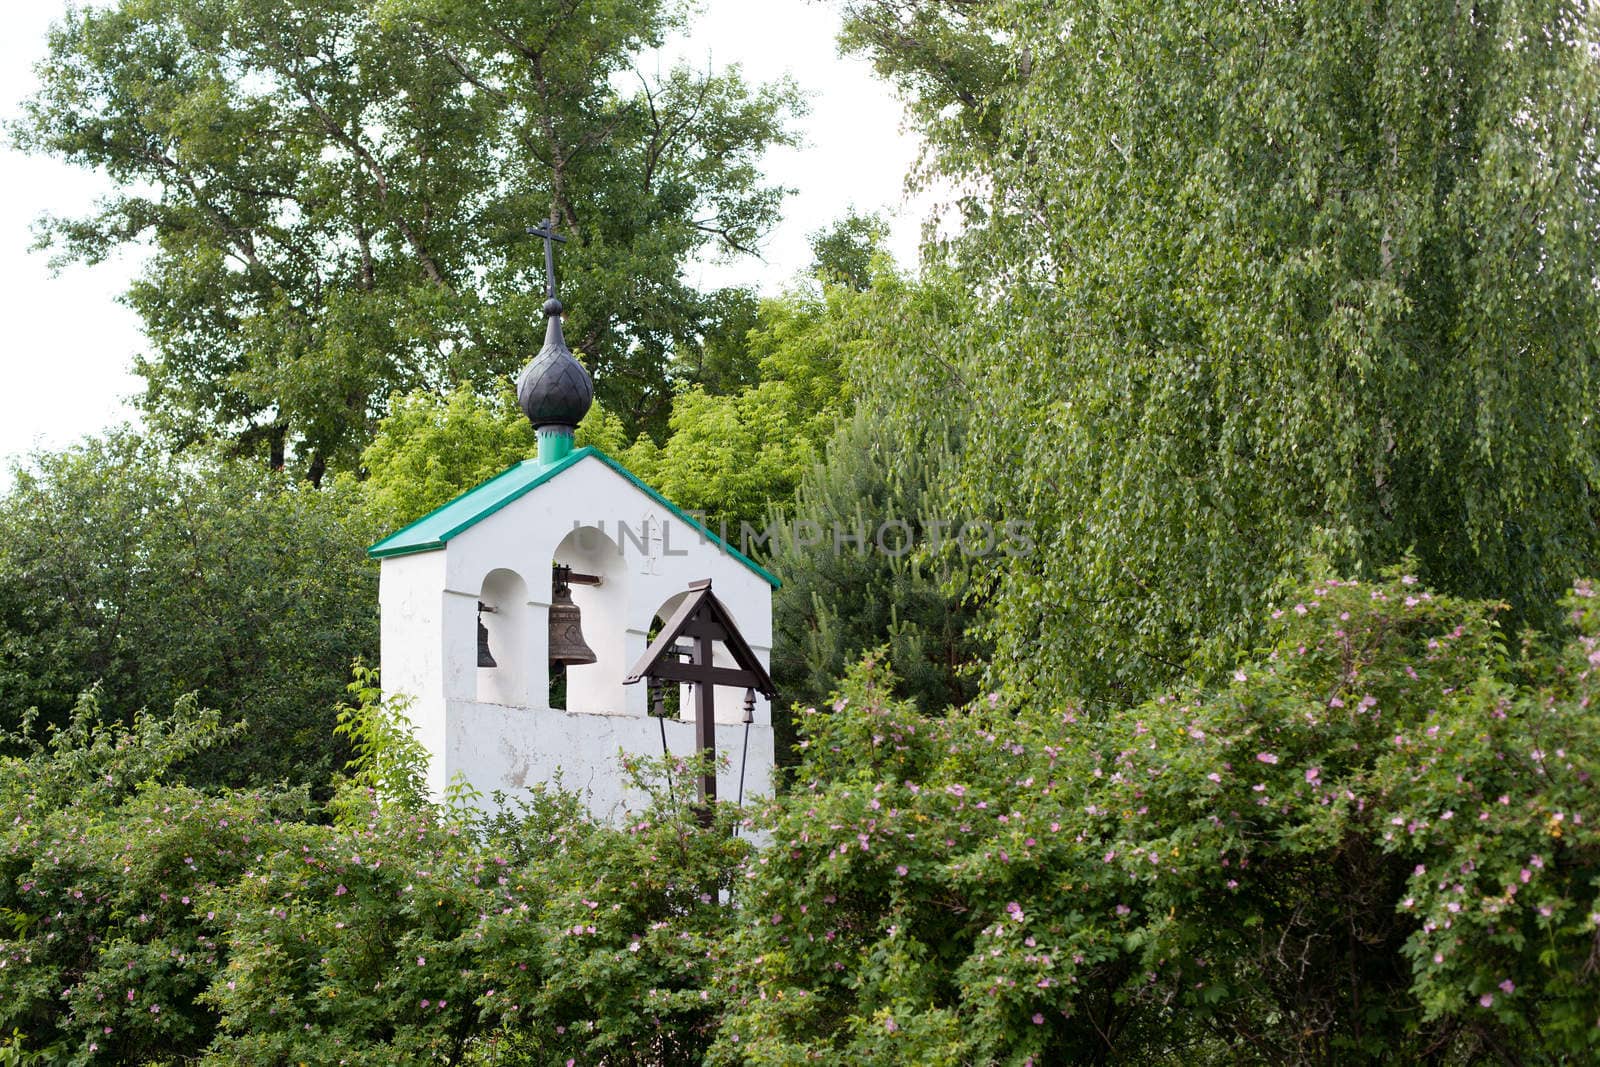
<point>595,687</point>
<point>506,621</point>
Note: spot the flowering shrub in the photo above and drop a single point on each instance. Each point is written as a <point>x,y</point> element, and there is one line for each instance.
<point>1378,840</point>
<point>107,939</point>
<point>427,938</point>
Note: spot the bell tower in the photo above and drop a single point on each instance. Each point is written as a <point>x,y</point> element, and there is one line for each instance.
<point>511,616</point>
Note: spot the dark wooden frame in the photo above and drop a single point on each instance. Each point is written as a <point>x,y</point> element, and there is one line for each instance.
<point>704,620</point>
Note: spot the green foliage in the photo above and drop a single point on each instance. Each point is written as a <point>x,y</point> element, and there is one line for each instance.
<point>843,253</point>
<point>842,597</point>
<point>106,942</point>
<point>152,576</point>
<point>857,551</point>
<point>730,457</point>
<point>734,455</point>
<point>145,922</point>
<point>1376,841</point>
<point>1257,310</point>
<point>337,194</point>
<point>949,62</point>
<point>1373,843</point>
<point>387,762</point>
<point>429,449</point>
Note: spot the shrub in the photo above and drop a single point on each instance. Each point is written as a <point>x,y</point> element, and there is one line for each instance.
<point>103,877</point>
<point>1377,840</point>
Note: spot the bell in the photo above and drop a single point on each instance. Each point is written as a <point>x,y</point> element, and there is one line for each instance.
<point>485,657</point>
<point>567,647</point>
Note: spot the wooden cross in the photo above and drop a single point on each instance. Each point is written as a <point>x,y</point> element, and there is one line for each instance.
<point>704,620</point>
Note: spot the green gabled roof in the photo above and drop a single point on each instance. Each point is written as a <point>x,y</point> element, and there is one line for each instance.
<point>442,523</point>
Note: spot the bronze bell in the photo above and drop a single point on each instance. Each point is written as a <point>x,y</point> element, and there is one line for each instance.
<point>567,647</point>
<point>485,657</point>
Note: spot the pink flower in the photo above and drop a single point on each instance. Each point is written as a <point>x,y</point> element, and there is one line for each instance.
<point>1266,757</point>
<point>1487,1000</point>
<point>900,870</point>
<point>890,1025</point>
<point>1240,676</point>
<point>1038,1019</point>
<point>1014,910</point>
<point>422,961</point>
<point>341,891</point>
<point>1123,909</point>
<point>1508,986</point>
<point>1311,774</point>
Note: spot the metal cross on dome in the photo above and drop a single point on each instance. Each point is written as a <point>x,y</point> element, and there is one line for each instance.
<point>548,232</point>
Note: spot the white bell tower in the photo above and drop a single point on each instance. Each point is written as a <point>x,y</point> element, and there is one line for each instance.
<point>631,559</point>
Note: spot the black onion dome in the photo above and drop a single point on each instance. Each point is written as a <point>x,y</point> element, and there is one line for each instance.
<point>554,389</point>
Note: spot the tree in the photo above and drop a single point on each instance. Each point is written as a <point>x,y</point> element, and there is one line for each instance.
<point>950,62</point>
<point>429,449</point>
<point>149,577</point>
<point>843,253</point>
<point>858,573</point>
<point>1271,285</point>
<point>736,455</point>
<point>337,193</point>
<point>869,553</point>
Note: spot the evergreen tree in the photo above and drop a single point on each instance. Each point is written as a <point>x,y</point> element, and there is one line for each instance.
<point>857,574</point>
<point>868,554</point>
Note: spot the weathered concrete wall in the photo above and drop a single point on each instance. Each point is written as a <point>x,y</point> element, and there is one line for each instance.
<point>513,748</point>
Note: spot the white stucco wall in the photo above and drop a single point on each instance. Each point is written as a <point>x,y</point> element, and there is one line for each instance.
<point>495,727</point>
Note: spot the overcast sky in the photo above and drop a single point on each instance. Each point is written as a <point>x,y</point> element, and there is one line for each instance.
<point>69,344</point>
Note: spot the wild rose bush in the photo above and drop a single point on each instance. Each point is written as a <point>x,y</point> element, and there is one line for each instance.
<point>428,938</point>
<point>105,939</point>
<point>1378,840</point>
<point>148,922</point>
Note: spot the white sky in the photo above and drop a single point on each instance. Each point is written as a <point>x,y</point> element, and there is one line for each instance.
<point>69,345</point>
